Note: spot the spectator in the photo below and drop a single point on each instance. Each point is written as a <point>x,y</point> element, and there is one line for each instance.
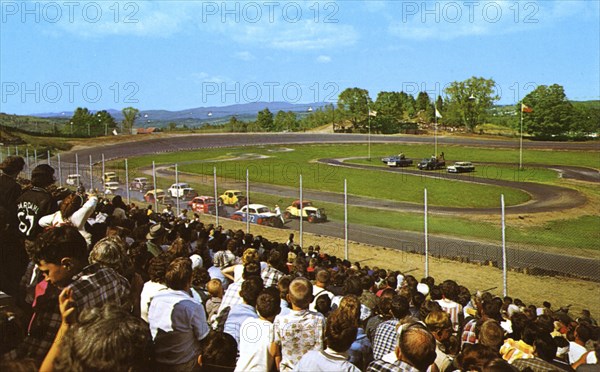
<point>523,348</point>
<point>440,326</point>
<point>323,305</point>
<point>299,331</point>
<point>36,202</point>
<point>322,279</point>
<point>271,275</point>
<point>367,297</point>
<point>256,335</point>
<point>215,290</point>
<point>155,238</point>
<point>232,296</point>
<point>543,356</point>
<point>384,340</point>
<point>61,256</point>
<point>415,351</point>
<point>157,271</point>
<point>218,353</point>
<point>106,339</point>
<point>340,333</point>
<point>11,190</point>
<point>177,321</point>
<point>583,333</point>
<point>448,303</point>
<point>360,352</point>
<point>251,288</point>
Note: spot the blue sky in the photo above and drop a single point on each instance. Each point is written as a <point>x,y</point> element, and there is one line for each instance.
<point>173,55</point>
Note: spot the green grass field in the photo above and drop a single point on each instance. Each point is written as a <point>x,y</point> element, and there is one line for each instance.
<point>283,167</point>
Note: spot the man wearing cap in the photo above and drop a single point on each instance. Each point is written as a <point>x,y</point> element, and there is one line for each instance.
<point>36,202</point>
<point>155,237</point>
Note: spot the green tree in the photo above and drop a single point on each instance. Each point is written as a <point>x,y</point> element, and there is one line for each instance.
<point>285,121</point>
<point>586,119</point>
<point>423,101</point>
<point>105,123</point>
<point>354,105</point>
<point>390,111</point>
<point>439,103</point>
<point>82,119</point>
<point>552,114</point>
<point>467,101</point>
<point>265,120</point>
<point>129,116</point>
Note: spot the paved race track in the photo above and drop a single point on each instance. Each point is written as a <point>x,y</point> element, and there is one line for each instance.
<point>544,197</point>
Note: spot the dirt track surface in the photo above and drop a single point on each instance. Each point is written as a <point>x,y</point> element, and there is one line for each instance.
<point>544,197</point>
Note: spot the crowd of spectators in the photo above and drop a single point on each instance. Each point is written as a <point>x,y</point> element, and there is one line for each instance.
<point>99,285</point>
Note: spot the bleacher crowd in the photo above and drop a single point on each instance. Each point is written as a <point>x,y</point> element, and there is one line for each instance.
<point>94,284</point>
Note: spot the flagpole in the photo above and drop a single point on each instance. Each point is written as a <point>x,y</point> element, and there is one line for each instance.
<point>435,131</point>
<point>521,142</point>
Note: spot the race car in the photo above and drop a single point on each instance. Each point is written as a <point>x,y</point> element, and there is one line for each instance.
<point>233,197</point>
<point>258,214</point>
<point>182,190</point>
<point>461,167</point>
<point>309,212</point>
<point>202,204</point>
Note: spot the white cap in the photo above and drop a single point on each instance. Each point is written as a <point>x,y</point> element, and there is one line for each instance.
<point>196,261</point>
<point>423,288</point>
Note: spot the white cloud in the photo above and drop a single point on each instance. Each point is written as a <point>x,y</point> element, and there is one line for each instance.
<point>204,77</point>
<point>323,59</point>
<point>450,20</point>
<point>245,56</point>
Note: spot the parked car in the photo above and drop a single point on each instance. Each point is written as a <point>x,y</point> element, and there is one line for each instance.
<point>73,179</point>
<point>111,177</point>
<point>258,214</point>
<point>233,197</point>
<point>202,204</point>
<point>461,167</point>
<point>309,212</point>
<point>159,194</point>
<point>431,163</point>
<point>112,187</point>
<point>397,161</point>
<point>139,184</point>
<point>182,190</point>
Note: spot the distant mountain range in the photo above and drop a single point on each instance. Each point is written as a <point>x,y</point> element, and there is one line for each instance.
<point>206,113</point>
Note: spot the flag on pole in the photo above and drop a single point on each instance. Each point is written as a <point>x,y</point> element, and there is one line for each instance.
<point>372,113</point>
<point>525,108</point>
<point>437,114</point>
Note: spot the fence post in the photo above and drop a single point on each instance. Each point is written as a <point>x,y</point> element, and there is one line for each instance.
<point>247,202</point>
<point>504,268</point>
<point>127,182</point>
<point>91,175</point>
<point>76,163</point>
<point>48,158</point>
<point>177,181</point>
<point>216,197</point>
<point>154,184</point>
<point>426,236</point>
<point>345,219</point>
<point>35,160</point>
<point>59,170</point>
<point>301,214</point>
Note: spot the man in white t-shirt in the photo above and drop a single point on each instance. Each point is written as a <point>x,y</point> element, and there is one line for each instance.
<point>256,335</point>
<point>322,280</point>
<point>577,348</point>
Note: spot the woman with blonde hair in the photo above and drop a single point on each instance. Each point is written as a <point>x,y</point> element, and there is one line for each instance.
<point>235,272</point>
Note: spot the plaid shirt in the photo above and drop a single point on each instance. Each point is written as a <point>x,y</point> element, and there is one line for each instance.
<point>95,285</point>
<point>535,364</point>
<point>468,335</point>
<point>232,296</point>
<point>92,287</point>
<point>383,366</point>
<point>271,276</point>
<point>386,338</point>
<point>44,323</point>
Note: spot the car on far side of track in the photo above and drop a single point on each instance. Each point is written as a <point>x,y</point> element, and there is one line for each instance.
<point>461,167</point>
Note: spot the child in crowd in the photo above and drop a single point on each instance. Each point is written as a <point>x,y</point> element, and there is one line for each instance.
<point>299,331</point>
<point>215,290</point>
<point>256,335</point>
